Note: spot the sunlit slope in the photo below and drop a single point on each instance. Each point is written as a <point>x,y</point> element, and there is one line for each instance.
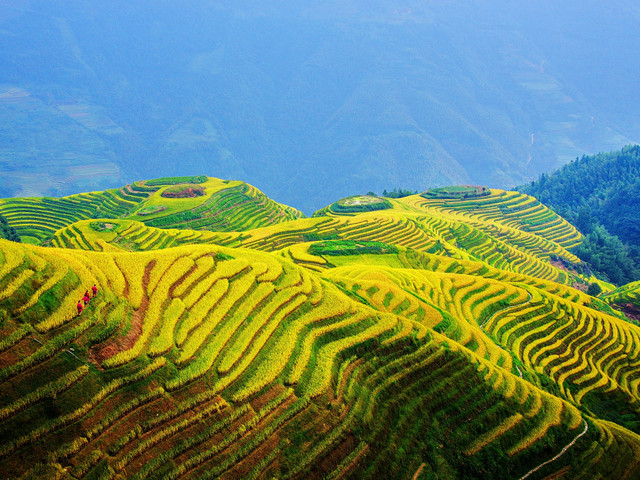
<point>431,338</point>
<point>36,219</point>
<point>222,205</point>
<point>629,293</point>
<point>208,362</point>
<point>455,236</point>
<point>354,205</point>
<point>502,208</point>
<point>551,330</point>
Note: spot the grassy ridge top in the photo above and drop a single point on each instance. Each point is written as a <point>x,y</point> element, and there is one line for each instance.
<point>355,204</point>
<point>442,338</point>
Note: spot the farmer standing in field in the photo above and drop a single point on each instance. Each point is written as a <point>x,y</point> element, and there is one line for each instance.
<point>94,289</point>
<point>86,297</point>
<point>80,307</point>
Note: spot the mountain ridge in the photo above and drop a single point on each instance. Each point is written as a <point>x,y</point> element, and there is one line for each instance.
<point>484,94</point>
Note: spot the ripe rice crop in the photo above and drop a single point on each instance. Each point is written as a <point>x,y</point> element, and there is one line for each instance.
<point>455,326</point>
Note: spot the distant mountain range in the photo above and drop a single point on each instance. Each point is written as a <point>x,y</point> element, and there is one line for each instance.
<point>387,94</point>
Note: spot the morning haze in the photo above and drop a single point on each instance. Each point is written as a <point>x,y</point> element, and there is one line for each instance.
<point>310,103</point>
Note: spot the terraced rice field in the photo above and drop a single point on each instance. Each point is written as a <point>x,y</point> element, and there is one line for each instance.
<point>629,293</point>
<point>36,219</point>
<point>225,206</point>
<point>433,339</point>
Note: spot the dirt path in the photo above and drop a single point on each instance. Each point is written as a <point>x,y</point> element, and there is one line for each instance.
<point>181,280</point>
<point>586,428</point>
<point>418,472</point>
<point>101,352</point>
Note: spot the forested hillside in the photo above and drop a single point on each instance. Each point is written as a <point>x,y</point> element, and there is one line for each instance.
<point>600,195</point>
<point>7,231</point>
<point>441,335</point>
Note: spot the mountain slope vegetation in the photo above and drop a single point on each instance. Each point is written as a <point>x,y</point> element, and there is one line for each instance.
<point>444,336</point>
<point>166,202</point>
<point>394,93</point>
<point>600,194</point>
<point>7,231</point>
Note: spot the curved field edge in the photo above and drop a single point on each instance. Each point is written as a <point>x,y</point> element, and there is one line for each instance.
<point>224,206</point>
<point>499,247</point>
<point>205,361</point>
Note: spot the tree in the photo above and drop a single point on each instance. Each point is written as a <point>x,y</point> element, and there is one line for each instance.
<point>594,289</point>
<point>7,231</point>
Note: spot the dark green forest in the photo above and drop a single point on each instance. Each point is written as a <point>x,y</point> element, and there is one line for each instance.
<point>600,195</point>
<point>7,231</point>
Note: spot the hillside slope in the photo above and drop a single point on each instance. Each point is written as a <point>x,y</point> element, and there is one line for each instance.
<point>7,232</point>
<point>600,195</point>
<point>437,338</point>
<point>220,205</point>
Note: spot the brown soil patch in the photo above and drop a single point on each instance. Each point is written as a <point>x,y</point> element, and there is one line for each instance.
<point>187,192</point>
<point>264,399</point>
<point>333,458</point>
<point>244,466</point>
<point>34,377</point>
<point>137,414</point>
<point>198,471</point>
<point>22,349</point>
<point>562,266</point>
<point>241,469</point>
<point>559,264</point>
<point>216,439</point>
<point>101,352</point>
<point>174,440</point>
<point>583,287</point>
<point>353,463</point>
<point>189,391</point>
<point>630,310</point>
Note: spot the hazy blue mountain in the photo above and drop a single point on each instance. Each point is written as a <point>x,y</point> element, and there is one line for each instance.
<point>311,103</point>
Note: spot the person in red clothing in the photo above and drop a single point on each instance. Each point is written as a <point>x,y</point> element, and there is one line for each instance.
<point>80,307</point>
<point>94,289</point>
<point>86,298</point>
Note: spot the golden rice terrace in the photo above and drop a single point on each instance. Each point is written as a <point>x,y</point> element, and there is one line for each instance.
<point>442,335</point>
